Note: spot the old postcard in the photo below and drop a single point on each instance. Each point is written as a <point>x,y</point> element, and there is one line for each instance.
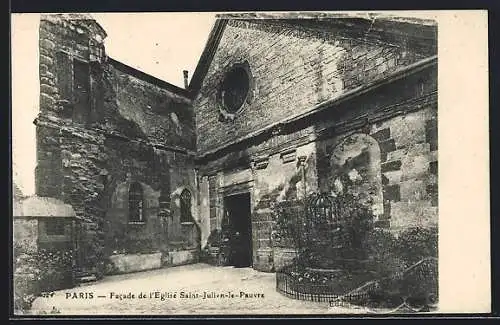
<point>250,163</point>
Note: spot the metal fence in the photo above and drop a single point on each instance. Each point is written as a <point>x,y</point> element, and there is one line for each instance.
<point>290,287</point>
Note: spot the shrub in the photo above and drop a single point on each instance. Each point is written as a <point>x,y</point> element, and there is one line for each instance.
<point>289,224</point>
<point>213,240</point>
<point>381,249</point>
<point>217,239</point>
<point>391,258</point>
<point>26,281</point>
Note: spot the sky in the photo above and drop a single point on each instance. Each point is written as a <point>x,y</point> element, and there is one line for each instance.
<point>160,44</point>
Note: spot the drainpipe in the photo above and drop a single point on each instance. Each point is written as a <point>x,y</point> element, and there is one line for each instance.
<point>301,162</point>
<point>185,74</point>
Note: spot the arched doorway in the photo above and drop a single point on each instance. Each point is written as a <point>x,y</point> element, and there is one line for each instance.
<point>355,166</point>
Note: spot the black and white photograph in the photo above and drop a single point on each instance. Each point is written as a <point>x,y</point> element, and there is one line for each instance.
<point>253,163</point>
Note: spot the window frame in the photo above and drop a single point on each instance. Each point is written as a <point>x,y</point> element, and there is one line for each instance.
<point>226,114</point>
<point>185,207</point>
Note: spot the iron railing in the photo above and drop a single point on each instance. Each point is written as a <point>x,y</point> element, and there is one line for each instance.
<point>420,279</point>
<point>289,286</point>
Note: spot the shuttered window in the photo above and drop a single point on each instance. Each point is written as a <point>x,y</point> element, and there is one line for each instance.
<point>136,203</point>
<point>81,91</point>
<point>73,82</point>
<point>186,206</point>
<point>55,227</point>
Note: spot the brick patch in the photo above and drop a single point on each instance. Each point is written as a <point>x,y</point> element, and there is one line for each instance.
<point>392,193</point>
<point>382,224</point>
<point>431,134</point>
<point>387,146</point>
<point>387,210</point>
<point>433,167</point>
<point>382,135</point>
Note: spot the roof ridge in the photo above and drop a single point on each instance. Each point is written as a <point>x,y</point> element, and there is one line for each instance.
<point>221,21</point>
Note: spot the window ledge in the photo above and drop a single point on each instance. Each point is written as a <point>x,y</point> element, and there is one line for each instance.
<point>136,222</point>
<point>187,223</point>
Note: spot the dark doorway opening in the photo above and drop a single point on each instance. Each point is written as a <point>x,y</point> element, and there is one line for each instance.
<point>240,229</point>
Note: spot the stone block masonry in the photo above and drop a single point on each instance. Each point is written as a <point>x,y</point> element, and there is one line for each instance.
<point>135,262</point>
<point>388,152</point>
<point>409,169</point>
<point>105,128</point>
<point>293,68</point>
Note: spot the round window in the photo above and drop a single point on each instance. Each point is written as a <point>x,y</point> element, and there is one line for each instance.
<point>235,89</point>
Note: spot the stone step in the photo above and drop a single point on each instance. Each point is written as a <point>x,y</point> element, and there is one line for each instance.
<point>86,280</point>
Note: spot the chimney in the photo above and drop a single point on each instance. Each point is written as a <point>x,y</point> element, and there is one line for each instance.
<point>185,73</point>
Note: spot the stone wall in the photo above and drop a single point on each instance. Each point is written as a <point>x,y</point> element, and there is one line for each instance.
<point>81,85</point>
<point>182,257</point>
<point>409,170</point>
<point>135,262</point>
<point>25,233</point>
<point>402,183</point>
<point>153,113</point>
<point>102,126</point>
<point>282,179</point>
<point>388,143</point>
<point>293,68</point>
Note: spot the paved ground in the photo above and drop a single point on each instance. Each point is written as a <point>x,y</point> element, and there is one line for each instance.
<point>182,290</point>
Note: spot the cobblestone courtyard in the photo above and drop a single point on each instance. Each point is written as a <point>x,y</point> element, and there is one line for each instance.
<point>184,290</point>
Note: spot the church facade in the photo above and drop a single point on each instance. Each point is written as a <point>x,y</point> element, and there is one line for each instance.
<point>276,109</point>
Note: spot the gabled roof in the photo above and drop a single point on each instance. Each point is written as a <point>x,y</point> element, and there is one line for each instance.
<point>36,206</point>
<point>206,57</point>
<point>421,33</point>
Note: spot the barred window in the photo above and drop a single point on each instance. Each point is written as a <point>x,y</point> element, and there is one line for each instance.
<point>186,206</point>
<point>235,89</point>
<point>136,203</point>
<point>73,81</point>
